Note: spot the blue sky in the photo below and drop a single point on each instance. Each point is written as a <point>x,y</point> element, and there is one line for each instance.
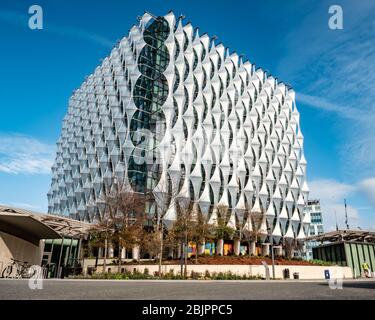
<point>332,72</point>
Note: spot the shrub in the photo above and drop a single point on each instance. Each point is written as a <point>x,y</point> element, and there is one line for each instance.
<point>321,262</point>
<point>231,276</point>
<point>195,275</point>
<point>137,275</point>
<point>170,275</point>
<point>207,274</point>
<point>220,276</point>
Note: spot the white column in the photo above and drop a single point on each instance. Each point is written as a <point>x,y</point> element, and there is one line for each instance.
<point>252,249</point>
<point>278,251</point>
<point>123,253</point>
<point>201,248</point>
<point>135,252</point>
<point>100,253</point>
<point>291,252</point>
<point>220,247</point>
<point>236,247</point>
<point>171,252</point>
<point>179,250</point>
<point>110,251</point>
<point>265,249</point>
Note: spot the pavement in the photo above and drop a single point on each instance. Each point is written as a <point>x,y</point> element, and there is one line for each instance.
<point>65,289</point>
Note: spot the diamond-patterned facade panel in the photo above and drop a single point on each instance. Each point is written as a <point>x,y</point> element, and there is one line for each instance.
<point>216,128</point>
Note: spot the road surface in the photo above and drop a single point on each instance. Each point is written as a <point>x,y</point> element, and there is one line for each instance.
<point>189,290</point>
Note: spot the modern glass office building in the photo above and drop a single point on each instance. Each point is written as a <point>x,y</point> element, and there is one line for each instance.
<point>316,225</point>
<point>171,109</point>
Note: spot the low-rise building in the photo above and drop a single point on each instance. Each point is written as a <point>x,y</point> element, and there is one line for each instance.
<point>350,248</point>
<point>32,238</point>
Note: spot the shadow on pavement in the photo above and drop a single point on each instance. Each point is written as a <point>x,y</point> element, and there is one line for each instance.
<point>356,285</point>
<point>360,285</point>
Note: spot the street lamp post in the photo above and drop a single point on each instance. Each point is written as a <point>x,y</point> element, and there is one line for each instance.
<point>272,254</point>
<point>161,244</point>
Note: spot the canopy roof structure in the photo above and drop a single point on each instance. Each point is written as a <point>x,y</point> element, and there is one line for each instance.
<point>25,227</point>
<point>345,235</point>
<point>32,226</point>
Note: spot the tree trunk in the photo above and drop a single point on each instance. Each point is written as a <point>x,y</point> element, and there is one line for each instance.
<point>196,252</point>
<point>105,254</point>
<point>182,250</point>
<point>186,254</point>
<point>161,249</point>
<point>119,259</point>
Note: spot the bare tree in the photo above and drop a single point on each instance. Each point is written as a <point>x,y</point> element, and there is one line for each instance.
<point>300,247</point>
<point>151,242</point>
<point>222,230</point>
<point>98,237</point>
<point>96,240</point>
<point>201,230</point>
<point>290,246</point>
<point>183,228</point>
<point>252,232</point>
<point>123,219</point>
<point>166,199</point>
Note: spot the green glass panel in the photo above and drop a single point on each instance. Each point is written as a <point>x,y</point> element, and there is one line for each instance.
<point>372,256</point>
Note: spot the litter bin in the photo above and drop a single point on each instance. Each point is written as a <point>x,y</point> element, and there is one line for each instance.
<point>296,275</point>
<point>286,274</point>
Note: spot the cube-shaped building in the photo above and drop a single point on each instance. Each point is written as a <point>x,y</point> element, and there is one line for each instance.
<point>169,109</point>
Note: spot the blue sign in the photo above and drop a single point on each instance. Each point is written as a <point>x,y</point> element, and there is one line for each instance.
<point>327,275</point>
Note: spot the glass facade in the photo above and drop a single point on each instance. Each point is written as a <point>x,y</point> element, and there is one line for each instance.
<point>149,94</point>
<point>316,226</point>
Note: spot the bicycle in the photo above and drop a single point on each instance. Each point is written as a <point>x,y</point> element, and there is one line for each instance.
<point>22,269</point>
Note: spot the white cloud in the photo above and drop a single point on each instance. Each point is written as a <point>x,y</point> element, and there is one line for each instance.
<point>331,194</point>
<point>359,154</point>
<point>368,187</point>
<point>324,104</point>
<point>333,212</point>
<point>329,189</point>
<point>24,154</point>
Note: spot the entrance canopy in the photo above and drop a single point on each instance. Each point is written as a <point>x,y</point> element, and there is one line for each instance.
<point>25,227</point>
<point>345,235</point>
<point>33,226</point>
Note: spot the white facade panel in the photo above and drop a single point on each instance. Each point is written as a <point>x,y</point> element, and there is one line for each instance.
<point>222,131</point>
